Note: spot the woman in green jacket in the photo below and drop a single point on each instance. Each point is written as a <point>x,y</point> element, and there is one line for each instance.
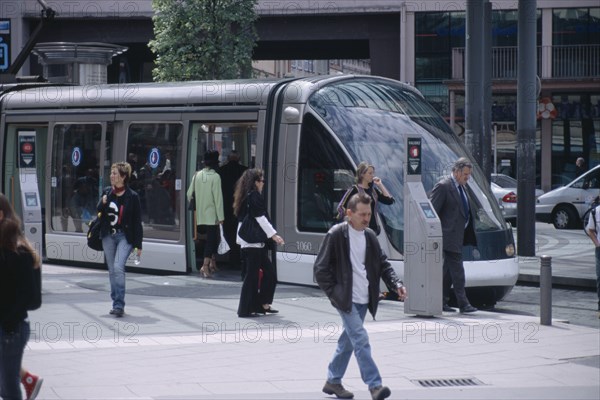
<point>206,187</point>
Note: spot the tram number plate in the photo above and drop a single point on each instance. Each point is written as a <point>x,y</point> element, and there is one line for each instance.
<point>304,246</point>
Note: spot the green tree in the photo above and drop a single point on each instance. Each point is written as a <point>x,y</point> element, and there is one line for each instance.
<point>203,39</point>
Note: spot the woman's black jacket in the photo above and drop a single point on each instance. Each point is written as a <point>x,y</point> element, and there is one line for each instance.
<point>16,287</point>
<point>132,216</point>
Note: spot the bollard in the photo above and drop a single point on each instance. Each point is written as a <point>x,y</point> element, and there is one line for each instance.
<point>546,290</point>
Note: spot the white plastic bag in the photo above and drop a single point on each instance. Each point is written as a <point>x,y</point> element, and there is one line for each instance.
<point>223,245</point>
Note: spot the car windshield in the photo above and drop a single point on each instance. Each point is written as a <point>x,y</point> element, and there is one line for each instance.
<point>358,113</point>
<point>504,181</point>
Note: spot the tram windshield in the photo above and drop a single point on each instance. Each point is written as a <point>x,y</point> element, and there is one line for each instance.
<point>371,118</point>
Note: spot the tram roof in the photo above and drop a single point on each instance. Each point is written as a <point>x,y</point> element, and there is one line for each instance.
<point>190,93</point>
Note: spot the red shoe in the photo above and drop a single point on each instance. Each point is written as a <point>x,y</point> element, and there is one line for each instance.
<point>32,384</point>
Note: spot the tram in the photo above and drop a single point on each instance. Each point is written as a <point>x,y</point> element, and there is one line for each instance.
<point>308,134</point>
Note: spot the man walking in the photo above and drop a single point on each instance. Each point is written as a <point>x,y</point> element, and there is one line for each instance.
<point>592,230</point>
<point>449,198</point>
<point>348,269</point>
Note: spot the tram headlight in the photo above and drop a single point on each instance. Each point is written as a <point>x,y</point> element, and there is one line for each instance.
<point>510,250</point>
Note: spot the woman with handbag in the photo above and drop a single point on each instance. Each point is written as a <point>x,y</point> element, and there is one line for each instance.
<point>121,231</point>
<point>367,182</point>
<point>254,230</point>
<point>206,190</point>
<point>20,291</point>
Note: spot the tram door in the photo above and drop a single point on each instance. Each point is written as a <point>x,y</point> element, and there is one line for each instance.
<point>235,138</point>
<point>80,157</point>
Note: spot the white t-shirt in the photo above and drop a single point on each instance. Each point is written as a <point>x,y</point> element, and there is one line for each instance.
<point>595,226</point>
<point>358,250</point>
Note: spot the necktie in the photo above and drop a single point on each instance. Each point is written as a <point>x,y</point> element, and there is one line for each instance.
<point>464,200</point>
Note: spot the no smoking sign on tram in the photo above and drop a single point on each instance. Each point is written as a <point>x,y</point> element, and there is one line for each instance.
<point>26,150</point>
<point>414,156</point>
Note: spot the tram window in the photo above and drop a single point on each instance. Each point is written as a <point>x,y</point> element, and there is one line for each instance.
<point>75,175</point>
<point>154,152</point>
<point>226,137</point>
<point>324,177</point>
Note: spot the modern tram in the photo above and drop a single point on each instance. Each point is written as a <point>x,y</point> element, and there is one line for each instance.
<point>308,134</point>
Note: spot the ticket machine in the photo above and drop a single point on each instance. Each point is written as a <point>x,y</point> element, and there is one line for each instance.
<point>422,241</point>
<point>30,194</point>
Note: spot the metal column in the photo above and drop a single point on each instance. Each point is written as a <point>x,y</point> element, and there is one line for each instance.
<point>526,124</point>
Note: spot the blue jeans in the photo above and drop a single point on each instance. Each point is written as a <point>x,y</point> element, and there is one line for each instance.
<point>354,338</point>
<point>12,346</point>
<point>116,250</point>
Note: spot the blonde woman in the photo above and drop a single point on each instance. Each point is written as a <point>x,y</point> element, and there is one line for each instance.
<point>368,183</point>
<point>121,231</point>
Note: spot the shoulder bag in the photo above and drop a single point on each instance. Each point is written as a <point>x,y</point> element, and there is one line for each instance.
<point>250,230</point>
<point>94,236</point>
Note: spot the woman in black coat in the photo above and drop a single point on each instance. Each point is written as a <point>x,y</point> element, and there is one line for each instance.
<point>248,200</point>
<point>19,292</point>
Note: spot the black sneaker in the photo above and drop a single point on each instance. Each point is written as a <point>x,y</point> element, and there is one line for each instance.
<point>380,392</point>
<point>117,312</point>
<point>467,309</point>
<point>338,390</point>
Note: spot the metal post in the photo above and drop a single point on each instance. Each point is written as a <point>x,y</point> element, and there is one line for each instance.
<point>486,141</point>
<point>546,290</point>
<point>526,126</point>
<point>474,92</point>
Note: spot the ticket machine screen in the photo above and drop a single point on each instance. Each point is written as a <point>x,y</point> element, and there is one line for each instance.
<point>31,199</point>
<point>427,210</point>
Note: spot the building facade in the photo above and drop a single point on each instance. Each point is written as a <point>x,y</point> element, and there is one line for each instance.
<point>418,42</point>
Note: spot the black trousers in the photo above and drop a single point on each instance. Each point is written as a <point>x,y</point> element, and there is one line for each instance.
<point>454,276</point>
<point>213,238</point>
<point>252,298</point>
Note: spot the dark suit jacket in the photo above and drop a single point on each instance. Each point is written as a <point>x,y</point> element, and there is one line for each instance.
<point>445,198</point>
<point>230,173</point>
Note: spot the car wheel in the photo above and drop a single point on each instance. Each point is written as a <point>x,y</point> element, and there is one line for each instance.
<point>564,218</point>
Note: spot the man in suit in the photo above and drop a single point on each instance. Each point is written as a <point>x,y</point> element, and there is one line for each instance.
<point>450,200</point>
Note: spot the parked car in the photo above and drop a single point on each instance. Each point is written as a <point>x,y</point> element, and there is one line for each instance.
<point>507,200</point>
<point>564,207</point>
<point>504,188</point>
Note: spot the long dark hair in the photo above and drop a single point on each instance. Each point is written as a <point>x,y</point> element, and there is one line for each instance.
<point>11,234</point>
<point>244,185</point>
<point>5,207</point>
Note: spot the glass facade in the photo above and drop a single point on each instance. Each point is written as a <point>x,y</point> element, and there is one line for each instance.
<point>575,26</point>
<point>575,54</point>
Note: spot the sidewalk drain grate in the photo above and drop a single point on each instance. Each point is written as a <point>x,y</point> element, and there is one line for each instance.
<point>448,382</point>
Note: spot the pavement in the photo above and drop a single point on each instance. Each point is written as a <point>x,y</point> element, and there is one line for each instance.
<point>181,339</point>
<point>572,258</point>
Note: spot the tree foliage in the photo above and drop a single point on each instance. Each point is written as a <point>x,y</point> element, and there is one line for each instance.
<point>203,39</point>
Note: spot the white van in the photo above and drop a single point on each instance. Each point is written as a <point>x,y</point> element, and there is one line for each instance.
<point>564,207</point>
